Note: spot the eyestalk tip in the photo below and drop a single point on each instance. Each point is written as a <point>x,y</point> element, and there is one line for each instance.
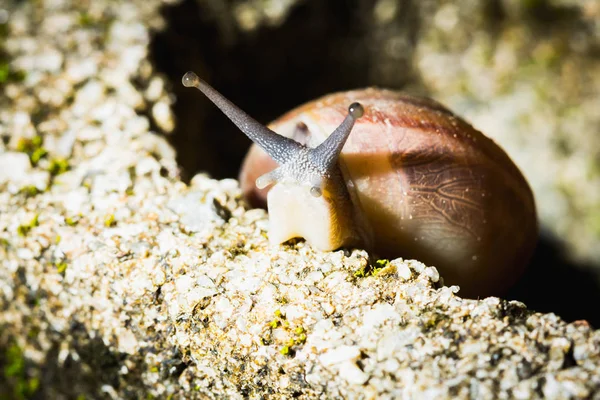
<point>356,110</point>
<point>190,79</point>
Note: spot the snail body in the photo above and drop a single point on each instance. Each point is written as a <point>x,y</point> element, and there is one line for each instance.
<point>413,180</point>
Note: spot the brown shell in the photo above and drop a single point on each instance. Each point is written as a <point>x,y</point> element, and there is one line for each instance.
<point>431,186</point>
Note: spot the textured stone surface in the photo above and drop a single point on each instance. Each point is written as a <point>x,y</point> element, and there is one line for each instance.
<point>117,280</point>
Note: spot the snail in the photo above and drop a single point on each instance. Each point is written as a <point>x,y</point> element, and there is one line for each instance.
<point>413,180</point>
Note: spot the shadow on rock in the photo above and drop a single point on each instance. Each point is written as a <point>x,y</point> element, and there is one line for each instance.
<point>554,283</point>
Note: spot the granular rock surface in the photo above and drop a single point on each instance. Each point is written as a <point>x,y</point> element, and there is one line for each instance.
<point>117,280</point>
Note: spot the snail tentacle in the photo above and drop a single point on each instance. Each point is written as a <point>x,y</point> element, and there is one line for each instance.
<point>269,178</point>
<point>327,153</point>
<point>298,163</point>
<point>280,148</point>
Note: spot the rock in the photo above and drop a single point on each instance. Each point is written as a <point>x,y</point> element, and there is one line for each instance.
<point>13,167</point>
<point>119,280</point>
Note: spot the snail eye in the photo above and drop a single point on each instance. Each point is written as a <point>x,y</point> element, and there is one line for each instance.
<point>356,110</point>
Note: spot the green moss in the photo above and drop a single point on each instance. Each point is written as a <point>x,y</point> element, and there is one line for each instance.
<point>379,265</point>
<point>30,191</point>
<point>37,155</point>
<point>58,166</point>
<point>4,72</point>
<point>110,221</point>
<point>33,148</point>
<point>15,364</point>
<point>61,267</point>
<point>33,332</point>
<point>27,145</point>
<point>71,221</point>
<point>21,385</point>
<point>429,324</point>
<point>300,339</point>
<point>33,384</point>
<point>24,229</point>
<point>85,19</point>
<point>371,270</point>
<point>434,320</point>
<point>297,335</point>
<point>8,74</point>
<point>285,350</point>
<point>274,323</point>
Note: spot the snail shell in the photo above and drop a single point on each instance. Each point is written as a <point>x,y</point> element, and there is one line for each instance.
<point>424,184</point>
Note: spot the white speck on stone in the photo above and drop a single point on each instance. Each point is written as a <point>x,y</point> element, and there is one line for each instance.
<point>25,254</point>
<point>137,126</point>
<point>339,355</point>
<point>314,277</point>
<point>391,365</point>
<point>104,183</point>
<point>129,95</point>
<point>352,374</point>
<point>223,312</point>
<point>163,116</point>
<point>328,308</point>
<point>379,314</point>
<point>159,277</point>
<point>90,94</point>
<point>14,167</point>
<point>20,119</point>
<point>195,211</point>
<point>64,144</point>
<point>63,353</point>
<point>155,89</point>
<point>417,266</point>
<point>166,241</point>
<point>127,342</point>
<point>184,283</point>
<point>432,273</point>
<point>89,133</point>
<point>146,165</point>
<point>402,270</point>
<point>80,70</point>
